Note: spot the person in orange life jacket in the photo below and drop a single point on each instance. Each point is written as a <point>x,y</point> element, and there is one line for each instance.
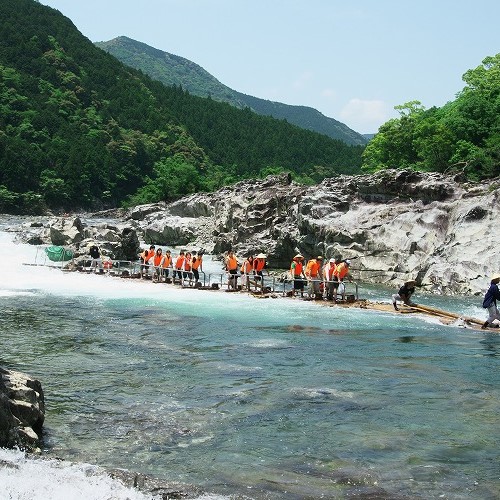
<point>490,302</point>
<point>331,281</point>
<point>186,267</point>
<point>166,263</point>
<point>246,269</point>
<point>297,272</point>
<point>157,260</point>
<point>179,263</point>
<point>197,266</point>
<point>145,256</point>
<point>231,263</point>
<point>258,265</point>
<point>342,272</point>
<point>335,279</point>
<point>404,294</point>
<point>313,276</point>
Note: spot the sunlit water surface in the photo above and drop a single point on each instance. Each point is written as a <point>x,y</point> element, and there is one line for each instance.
<point>269,398</point>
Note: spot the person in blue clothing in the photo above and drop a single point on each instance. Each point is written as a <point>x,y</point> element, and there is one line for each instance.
<point>490,302</point>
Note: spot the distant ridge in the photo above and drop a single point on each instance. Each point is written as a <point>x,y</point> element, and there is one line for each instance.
<point>171,69</point>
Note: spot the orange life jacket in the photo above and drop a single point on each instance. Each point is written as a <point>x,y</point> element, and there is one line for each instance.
<point>296,268</point>
<point>312,268</point>
<point>342,270</point>
<point>246,267</point>
<point>258,264</point>
<point>179,262</point>
<point>330,272</point>
<point>232,263</point>
<point>147,254</point>
<point>187,264</point>
<point>196,262</point>
<point>167,260</point>
<point>157,260</point>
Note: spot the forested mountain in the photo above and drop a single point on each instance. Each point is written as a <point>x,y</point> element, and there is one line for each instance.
<point>79,129</point>
<point>175,70</point>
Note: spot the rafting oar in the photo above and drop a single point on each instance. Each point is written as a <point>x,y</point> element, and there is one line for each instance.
<point>440,312</point>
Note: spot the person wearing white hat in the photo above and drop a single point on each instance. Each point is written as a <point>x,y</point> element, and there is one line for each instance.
<point>259,263</point>
<point>404,294</point>
<point>342,273</point>
<point>331,278</point>
<point>490,302</point>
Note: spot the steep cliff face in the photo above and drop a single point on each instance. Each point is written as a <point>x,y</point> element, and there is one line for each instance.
<point>392,225</point>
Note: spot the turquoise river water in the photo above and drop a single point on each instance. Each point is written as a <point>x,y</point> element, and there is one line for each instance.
<point>262,398</point>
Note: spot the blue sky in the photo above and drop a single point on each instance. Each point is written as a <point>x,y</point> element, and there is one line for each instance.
<point>353,61</point>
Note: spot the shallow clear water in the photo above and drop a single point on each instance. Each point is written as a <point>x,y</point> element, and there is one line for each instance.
<point>271,398</point>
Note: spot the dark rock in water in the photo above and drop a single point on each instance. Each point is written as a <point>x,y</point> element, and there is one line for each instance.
<point>129,245</point>
<point>22,410</point>
<point>150,485</point>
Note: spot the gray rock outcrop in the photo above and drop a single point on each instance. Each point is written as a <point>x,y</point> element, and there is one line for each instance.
<point>22,410</point>
<point>117,241</point>
<point>393,225</point>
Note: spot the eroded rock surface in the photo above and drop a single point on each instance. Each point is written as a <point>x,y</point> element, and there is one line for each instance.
<point>22,410</point>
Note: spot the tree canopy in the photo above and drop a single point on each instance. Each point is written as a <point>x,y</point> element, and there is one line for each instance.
<point>462,137</point>
<point>78,129</point>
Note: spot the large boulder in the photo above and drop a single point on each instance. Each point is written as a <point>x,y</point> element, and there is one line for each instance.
<point>22,410</point>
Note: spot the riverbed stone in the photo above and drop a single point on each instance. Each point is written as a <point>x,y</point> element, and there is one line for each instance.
<point>22,410</point>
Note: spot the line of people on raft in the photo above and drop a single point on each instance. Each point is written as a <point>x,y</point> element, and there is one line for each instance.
<point>323,281</point>
<point>330,277</point>
<point>186,266</point>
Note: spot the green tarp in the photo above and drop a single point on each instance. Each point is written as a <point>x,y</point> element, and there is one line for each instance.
<point>58,254</point>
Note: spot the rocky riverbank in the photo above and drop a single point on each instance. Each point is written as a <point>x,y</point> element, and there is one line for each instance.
<point>22,410</point>
<point>393,225</point>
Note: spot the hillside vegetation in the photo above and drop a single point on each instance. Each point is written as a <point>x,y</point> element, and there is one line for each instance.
<point>171,69</point>
<point>78,129</point>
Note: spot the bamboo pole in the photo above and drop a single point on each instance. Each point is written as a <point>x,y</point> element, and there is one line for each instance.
<point>446,314</point>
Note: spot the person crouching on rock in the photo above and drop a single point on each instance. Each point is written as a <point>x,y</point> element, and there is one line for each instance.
<point>404,294</point>
<point>490,302</point>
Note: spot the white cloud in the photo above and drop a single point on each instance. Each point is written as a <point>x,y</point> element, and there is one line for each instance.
<point>366,115</point>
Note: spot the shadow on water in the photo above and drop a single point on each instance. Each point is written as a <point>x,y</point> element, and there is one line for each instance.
<point>491,344</point>
<point>406,339</point>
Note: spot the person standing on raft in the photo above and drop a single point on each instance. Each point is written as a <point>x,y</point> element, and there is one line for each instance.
<point>404,294</point>
<point>490,302</point>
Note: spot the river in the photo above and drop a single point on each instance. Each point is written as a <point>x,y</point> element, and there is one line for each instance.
<point>262,398</point>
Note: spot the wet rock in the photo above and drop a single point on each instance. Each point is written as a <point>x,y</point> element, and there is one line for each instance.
<point>22,410</point>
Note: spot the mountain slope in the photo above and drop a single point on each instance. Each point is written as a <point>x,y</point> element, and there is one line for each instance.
<point>175,70</point>
<point>80,129</point>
